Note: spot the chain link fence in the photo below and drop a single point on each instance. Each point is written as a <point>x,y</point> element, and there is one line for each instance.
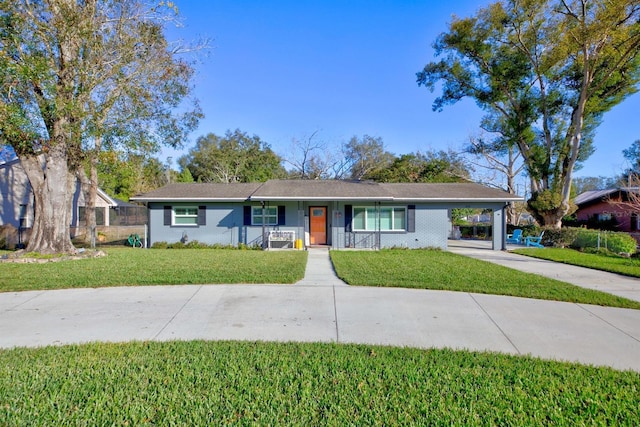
<point>124,221</point>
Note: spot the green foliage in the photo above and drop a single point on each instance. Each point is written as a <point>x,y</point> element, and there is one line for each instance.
<point>246,383</point>
<point>185,176</point>
<point>422,167</point>
<point>442,270</point>
<point>364,155</point>
<point>458,215</point>
<point>562,238</point>
<point>524,65</point>
<point>194,244</point>
<point>583,238</point>
<point>236,157</point>
<point>589,183</point>
<point>125,266</point>
<point>80,77</point>
<point>123,175</point>
<point>612,241</point>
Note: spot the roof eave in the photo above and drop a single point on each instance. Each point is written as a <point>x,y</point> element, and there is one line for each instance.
<point>188,199</point>
<point>457,199</point>
<point>318,199</point>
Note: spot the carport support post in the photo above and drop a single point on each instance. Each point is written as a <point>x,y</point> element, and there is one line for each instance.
<point>499,239</point>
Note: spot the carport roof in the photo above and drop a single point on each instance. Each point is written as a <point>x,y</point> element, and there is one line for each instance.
<point>327,190</point>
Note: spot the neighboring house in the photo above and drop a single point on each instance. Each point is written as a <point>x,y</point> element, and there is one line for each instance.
<point>595,207</point>
<point>17,202</point>
<point>339,214</point>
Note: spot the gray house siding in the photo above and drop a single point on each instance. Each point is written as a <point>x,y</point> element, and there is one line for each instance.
<point>358,214</point>
<point>218,228</point>
<point>224,224</point>
<point>428,227</point>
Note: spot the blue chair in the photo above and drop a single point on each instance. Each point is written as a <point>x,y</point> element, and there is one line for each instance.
<point>535,241</point>
<point>516,237</point>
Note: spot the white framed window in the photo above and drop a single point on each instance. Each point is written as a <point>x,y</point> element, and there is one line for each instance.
<point>270,215</point>
<point>390,218</point>
<point>185,215</point>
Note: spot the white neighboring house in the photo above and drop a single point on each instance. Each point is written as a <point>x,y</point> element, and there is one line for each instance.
<point>17,201</point>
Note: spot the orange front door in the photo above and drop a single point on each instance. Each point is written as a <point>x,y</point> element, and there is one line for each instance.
<point>318,225</point>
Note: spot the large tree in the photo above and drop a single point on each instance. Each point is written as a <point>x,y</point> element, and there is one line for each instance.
<point>500,163</point>
<point>545,71</point>
<point>432,166</point>
<point>68,70</point>
<point>313,158</point>
<point>365,154</point>
<point>234,157</point>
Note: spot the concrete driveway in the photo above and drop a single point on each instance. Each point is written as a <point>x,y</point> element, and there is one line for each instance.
<point>322,308</point>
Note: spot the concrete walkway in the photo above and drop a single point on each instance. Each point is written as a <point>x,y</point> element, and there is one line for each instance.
<point>321,308</point>
<point>616,284</point>
<point>319,271</point>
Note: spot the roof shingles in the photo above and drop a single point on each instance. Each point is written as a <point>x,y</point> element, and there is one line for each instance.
<point>326,190</point>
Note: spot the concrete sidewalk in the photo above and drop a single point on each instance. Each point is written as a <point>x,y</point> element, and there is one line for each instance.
<point>322,310</point>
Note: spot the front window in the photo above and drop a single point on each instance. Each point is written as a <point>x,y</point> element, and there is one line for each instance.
<point>185,215</point>
<point>270,215</point>
<point>384,218</point>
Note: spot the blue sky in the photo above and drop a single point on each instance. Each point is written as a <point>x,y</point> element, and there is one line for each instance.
<point>285,69</point>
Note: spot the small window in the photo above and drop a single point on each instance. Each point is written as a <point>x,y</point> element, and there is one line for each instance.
<point>185,215</point>
<point>270,215</point>
<point>384,218</point>
<point>604,216</point>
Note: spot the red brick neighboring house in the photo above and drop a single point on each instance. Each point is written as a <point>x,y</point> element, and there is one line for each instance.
<point>597,206</point>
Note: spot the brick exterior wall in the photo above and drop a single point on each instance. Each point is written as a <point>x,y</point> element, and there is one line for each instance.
<point>623,216</point>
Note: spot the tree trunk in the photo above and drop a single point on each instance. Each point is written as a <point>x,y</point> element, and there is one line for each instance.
<point>553,219</point>
<point>53,189</point>
<point>90,192</point>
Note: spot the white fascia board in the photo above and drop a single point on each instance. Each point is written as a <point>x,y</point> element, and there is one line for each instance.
<point>448,200</point>
<point>107,198</point>
<point>186,199</point>
<point>320,199</point>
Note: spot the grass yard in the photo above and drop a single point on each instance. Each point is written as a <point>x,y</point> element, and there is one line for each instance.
<point>432,269</point>
<point>605,262</point>
<point>128,266</point>
<point>219,383</point>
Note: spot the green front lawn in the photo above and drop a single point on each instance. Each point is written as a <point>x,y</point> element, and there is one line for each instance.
<point>220,383</point>
<point>599,261</point>
<point>135,267</point>
<point>432,269</point>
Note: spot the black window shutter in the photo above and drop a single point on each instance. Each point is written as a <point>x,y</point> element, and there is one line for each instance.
<point>411,218</point>
<point>167,215</point>
<point>202,215</point>
<point>348,217</point>
<point>281,215</point>
<point>247,215</point>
